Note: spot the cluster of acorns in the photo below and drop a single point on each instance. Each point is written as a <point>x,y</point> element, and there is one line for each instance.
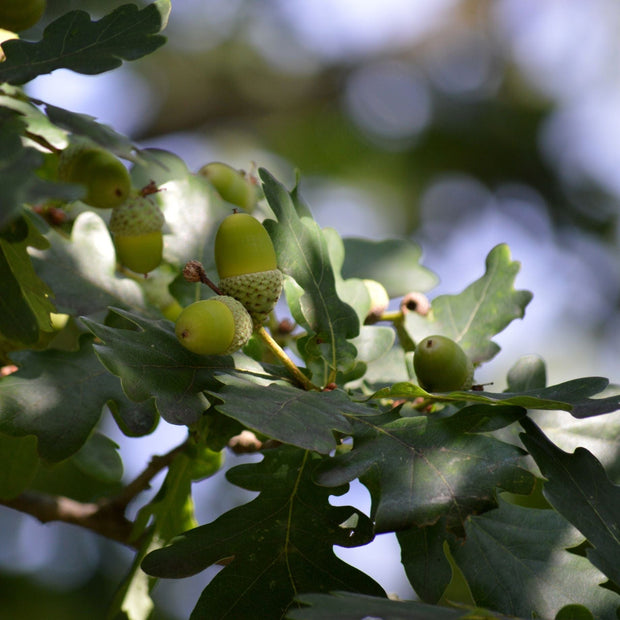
<point>251,284</point>
<point>136,222</point>
<point>250,281</point>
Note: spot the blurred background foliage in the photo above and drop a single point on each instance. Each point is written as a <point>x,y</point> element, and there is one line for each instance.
<point>458,123</point>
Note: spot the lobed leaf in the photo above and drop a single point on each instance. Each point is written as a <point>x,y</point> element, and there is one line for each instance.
<point>579,489</point>
<point>304,256</point>
<point>58,397</point>
<point>348,606</point>
<point>278,545</point>
<point>304,419</point>
<point>75,42</point>
<point>419,469</point>
<point>482,310</point>
<point>572,396</point>
<point>515,561</point>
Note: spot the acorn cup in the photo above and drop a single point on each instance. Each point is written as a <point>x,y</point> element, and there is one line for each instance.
<point>246,264</point>
<point>107,181</point>
<point>136,227</point>
<point>216,326</point>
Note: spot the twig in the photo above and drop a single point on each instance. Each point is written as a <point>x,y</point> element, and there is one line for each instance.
<point>106,517</point>
<point>277,350</point>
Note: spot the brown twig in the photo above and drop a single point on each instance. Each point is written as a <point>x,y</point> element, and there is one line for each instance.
<point>106,517</point>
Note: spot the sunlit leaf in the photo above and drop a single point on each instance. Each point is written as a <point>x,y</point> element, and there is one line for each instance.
<point>421,468</point>
<point>481,311</point>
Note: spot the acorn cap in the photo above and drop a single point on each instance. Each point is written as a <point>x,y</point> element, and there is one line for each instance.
<point>243,245</point>
<point>136,216</point>
<point>258,292</point>
<point>243,323</point>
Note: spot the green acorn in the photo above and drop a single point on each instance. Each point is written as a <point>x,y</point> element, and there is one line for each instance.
<point>216,326</point>
<point>247,266</point>
<point>16,15</point>
<point>232,185</point>
<point>106,179</point>
<point>136,226</point>
<point>441,365</point>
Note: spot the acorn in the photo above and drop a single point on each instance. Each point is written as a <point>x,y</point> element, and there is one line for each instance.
<point>16,15</point>
<point>247,265</point>
<point>379,300</point>
<point>441,365</point>
<point>136,227</point>
<point>231,184</point>
<point>216,326</point>
<point>107,181</point>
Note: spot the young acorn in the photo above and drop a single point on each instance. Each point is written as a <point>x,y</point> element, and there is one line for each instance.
<point>246,264</point>
<point>216,326</point>
<point>232,185</point>
<point>19,15</point>
<point>136,227</point>
<point>441,365</point>
<point>106,179</point>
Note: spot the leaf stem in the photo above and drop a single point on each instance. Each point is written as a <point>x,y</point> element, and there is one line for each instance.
<point>279,352</point>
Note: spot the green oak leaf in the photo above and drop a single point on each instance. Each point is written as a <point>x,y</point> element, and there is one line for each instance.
<point>82,270</point>
<point>572,396</point>
<point>349,606</point>
<point>515,561</point>
<point>421,468</point>
<point>482,310</point>
<point>75,42</point>
<point>279,544</point>
<point>19,462</point>
<point>304,256</point>
<point>304,419</point>
<point>393,262</point>
<point>579,489</point>
<point>25,300</point>
<point>58,397</point>
<point>151,363</point>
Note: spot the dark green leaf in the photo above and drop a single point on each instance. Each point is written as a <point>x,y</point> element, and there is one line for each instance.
<point>19,462</point>
<point>579,489</point>
<point>58,397</point>
<point>280,543</point>
<point>482,310</point>
<point>393,262</point>
<point>25,304</point>
<point>347,606</point>
<point>291,415</point>
<point>99,459</point>
<point>75,42</point>
<point>422,468</point>
<point>303,255</point>
<point>151,363</point>
<point>424,560</point>
<point>515,561</point>
<point>572,396</point>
